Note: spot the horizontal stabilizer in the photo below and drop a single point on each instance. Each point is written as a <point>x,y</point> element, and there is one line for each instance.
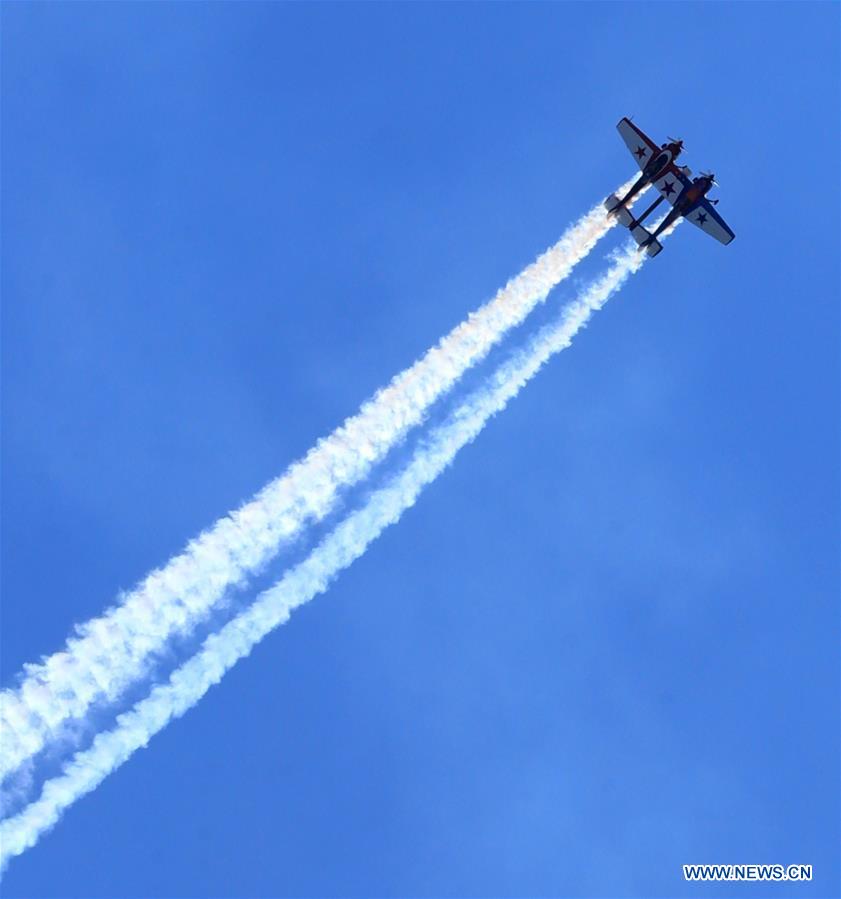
<point>611,202</point>
<point>612,205</point>
<point>644,240</point>
<point>624,216</point>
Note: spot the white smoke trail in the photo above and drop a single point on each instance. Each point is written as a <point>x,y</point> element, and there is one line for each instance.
<point>110,652</point>
<point>346,543</point>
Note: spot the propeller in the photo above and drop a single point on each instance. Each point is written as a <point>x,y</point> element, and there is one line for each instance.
<point>711,176</point>
<point>674,140</point>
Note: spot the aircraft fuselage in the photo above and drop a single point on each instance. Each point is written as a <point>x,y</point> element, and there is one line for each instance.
<point>668,153</point>
<point>688,199</point>
<point>654,167</point>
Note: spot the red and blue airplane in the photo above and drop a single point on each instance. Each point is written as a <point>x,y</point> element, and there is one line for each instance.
<point>687,195</point>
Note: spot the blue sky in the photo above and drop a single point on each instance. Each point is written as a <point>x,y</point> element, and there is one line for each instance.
<point>605,643</point>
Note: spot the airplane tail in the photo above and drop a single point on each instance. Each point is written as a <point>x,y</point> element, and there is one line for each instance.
<point>611,202</point>
<point>645,241</point>
<point>612,205</point>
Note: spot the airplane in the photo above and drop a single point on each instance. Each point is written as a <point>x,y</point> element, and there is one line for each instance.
<point>687,195</point>
<point>653,160</point>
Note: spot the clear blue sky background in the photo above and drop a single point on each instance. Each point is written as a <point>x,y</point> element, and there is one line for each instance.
<point>607,641</point>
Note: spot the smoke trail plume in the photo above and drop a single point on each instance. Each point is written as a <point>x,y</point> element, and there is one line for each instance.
<point>110,652</point>
<point>346,543</point>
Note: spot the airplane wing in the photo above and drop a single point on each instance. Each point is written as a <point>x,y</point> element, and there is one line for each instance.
<point>642,147</point>
<point>707,219</point>
<point>672,182</point>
